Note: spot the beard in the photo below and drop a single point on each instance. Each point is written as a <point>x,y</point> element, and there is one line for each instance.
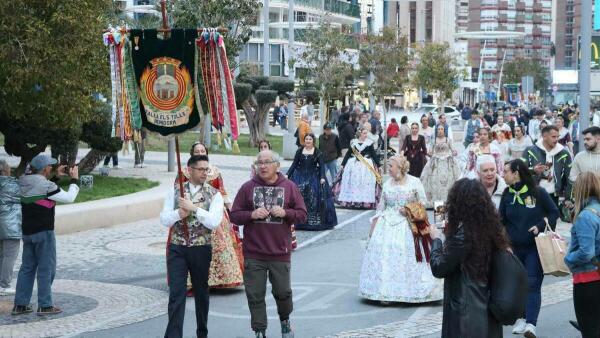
<point>592,147</point>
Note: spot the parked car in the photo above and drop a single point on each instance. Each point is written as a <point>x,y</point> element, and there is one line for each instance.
<point>452,114</point>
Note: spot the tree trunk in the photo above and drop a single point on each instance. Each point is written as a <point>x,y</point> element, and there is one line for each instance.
<point>90,161</point>
<point>255,124</point>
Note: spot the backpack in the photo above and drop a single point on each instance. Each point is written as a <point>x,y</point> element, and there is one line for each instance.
<point>508,287</point>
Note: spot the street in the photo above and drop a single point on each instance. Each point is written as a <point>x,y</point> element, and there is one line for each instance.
<point>111,283</point>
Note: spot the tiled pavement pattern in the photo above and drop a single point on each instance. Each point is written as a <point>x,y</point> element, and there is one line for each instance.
<point>133,304</point>
<point>432,323</point>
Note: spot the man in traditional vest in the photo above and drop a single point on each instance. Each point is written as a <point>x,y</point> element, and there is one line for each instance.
<point>190,246</point>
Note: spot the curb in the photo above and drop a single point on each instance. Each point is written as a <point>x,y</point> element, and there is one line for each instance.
<point>109,212</point>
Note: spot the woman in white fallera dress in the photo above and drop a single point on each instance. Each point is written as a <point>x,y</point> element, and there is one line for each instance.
<point>442,170</point>
<point>390,271</point>
<point>517,145</point>
<point>357,186</point>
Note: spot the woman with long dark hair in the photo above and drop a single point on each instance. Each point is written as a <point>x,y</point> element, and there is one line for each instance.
<point>415,150</point>
<point>308,172</point>
<point>473,233</point>
<point>524,210</point>
<point>584,250</point>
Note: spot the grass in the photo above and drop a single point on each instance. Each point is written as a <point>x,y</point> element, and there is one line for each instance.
<point>107,186</point>
<point>157,143</point>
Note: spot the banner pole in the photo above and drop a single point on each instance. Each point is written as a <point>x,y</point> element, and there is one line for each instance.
<point>165,26</point>
<point>181,194</point>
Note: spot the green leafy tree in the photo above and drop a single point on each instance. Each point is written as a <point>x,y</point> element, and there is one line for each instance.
<point>515,69</point>
<point>52,62</point>
<point>236,15</point>
<point>386,57</point>
<point>328,59</point>
<point>437,70</point>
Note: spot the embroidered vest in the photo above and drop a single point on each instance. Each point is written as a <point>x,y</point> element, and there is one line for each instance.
<point>198,234</point>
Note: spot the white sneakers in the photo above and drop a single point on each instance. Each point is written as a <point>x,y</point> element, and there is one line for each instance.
<point>529,331</point>
<point>521,327</point>
<point>7,291</point>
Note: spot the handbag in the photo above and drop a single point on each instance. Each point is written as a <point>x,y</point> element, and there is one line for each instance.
<point>508,287</point>
<point>416,214</point>
<point>552,250</point>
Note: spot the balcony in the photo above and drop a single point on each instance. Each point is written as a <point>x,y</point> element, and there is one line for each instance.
<point>501,43</point>
<point>537,45</point>
<point>342,8</point>
<point>520,6</point>
<point>335,7</point>
<point>537,7</point>
<point>502,18</point>
<point>536,32</point>
<point>503,5</point>
<point>537,20</point>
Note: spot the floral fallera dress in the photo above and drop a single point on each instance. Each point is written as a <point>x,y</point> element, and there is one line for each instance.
<point>390,271</point>
<point>440,173</point>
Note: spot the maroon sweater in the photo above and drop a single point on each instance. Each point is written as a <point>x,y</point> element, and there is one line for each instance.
<point>269,239</point>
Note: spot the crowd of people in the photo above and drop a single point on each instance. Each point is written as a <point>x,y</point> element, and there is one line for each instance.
<point>510,184</point>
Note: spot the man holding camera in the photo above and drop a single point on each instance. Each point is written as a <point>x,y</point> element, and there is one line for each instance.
<point>39,197</point>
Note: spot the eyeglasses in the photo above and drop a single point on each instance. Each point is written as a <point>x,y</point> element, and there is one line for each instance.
<point>202,170</point>
<point>264,164</point>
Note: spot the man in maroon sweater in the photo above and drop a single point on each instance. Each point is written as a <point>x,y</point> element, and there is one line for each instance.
<point>268,205</point>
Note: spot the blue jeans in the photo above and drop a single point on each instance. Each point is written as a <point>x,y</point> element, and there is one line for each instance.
<point>535,276</point>
<point>331,166</point>
<point>39,257</point>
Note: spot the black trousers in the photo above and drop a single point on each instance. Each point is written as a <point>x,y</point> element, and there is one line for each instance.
<point>180,260</point>
<point>586,297</point>
<point>115,159</point>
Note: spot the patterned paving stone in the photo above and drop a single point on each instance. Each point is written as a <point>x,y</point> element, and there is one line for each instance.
<point>431,323</point>
<point>134,304</point>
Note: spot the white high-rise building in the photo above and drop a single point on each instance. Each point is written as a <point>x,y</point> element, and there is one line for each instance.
<point>308,13</point>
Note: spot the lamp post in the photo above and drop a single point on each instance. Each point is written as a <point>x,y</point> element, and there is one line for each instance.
<point>585,65</point>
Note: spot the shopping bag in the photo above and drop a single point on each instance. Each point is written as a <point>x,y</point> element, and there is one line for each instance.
<point>552,249</point>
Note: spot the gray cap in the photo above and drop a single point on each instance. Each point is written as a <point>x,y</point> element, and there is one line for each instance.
<point>41,161</point>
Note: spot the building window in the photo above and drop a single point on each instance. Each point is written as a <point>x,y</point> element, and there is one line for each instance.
<point>253,52</point>
<point>300,16</point>
<point>275,70</point>
<point>275,53</point>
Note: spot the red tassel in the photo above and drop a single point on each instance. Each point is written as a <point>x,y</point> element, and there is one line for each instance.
<point>418,254</point>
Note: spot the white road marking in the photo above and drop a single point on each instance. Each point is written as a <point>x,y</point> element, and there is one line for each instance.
<point>327,232</point>
<point>323,303</point>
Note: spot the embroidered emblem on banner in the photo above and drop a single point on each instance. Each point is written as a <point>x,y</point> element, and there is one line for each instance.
<point>167,92</point>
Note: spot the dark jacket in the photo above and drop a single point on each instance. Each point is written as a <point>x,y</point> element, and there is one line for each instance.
<point>330,146</point>
<point>346,131</point>
<point>562,165</point>
<point>466,313</point>
<point>269,239</point>
<point>519,218</point>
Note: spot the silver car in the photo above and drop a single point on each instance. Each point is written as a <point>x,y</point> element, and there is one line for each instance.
<point>452,114</point>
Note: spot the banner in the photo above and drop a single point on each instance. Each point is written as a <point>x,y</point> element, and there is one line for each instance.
<point>164,73</point>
